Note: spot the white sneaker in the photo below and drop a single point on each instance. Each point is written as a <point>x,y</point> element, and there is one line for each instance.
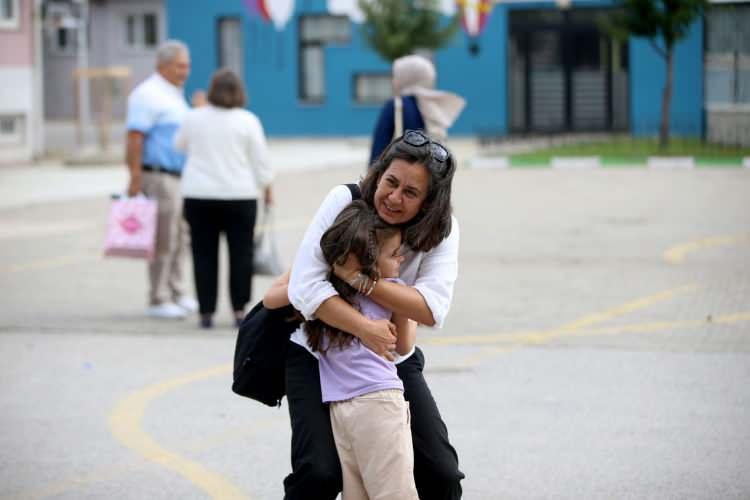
<point>167,310</point>
<point>187,303</point>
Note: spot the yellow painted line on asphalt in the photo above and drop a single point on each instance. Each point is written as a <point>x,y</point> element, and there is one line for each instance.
<point>540,336</point>
<point>650,327</point>
<point>677,254</point>
<point>114,471</point>
<point>46,263</point>
<point>730,319</point>
<point>125,424</point>
<point>621,310</point>
<point>64,260</point>
<point>657,326</point>
<point>27,229</point>
<point>571,328</point>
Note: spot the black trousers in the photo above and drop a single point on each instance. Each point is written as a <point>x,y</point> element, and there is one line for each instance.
<point>316,471</point>
<point>207,220</point>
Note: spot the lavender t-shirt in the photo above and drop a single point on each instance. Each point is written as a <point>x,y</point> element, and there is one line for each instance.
<point>355,370</point>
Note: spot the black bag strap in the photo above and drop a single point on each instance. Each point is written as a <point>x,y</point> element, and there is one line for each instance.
<point>354,189</point>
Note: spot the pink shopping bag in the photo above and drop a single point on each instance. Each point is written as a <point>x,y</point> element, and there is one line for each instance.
<point>131,228</point>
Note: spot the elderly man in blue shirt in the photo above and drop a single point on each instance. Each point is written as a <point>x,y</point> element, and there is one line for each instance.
<point>156,108</point>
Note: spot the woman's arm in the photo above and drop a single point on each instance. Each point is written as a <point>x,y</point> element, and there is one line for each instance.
<point>312,294</point>
<point>406,335</point>
<point>428,300</point>
<point>258,151</point>
<point>277,295</point>
<point>180,140</point>
<point>378,335</point>
<point>383,131</point>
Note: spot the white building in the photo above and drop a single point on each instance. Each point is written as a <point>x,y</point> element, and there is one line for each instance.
<point>21,103</point>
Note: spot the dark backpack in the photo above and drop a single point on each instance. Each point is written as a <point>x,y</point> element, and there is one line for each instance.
<point>261,347</point>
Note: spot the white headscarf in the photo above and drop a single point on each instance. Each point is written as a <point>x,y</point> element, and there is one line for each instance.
<point>415,75</point>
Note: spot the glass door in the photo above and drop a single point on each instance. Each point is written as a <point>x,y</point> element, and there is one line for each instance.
<point>564,74</point>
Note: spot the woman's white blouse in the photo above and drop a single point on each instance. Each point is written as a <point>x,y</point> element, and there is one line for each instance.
<point>432,273</point>
<point>227,154</point>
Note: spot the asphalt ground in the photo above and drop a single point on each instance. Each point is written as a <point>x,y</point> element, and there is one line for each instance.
<point>598,346</point>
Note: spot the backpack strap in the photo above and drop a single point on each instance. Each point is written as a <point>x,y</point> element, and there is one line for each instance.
<point>398,117</point>
<point>354,189</point>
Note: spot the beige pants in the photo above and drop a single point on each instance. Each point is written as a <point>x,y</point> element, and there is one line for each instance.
<point>373,440</point>
<point>172,238</point>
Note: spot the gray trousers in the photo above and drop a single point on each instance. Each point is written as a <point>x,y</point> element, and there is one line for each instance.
<point>172,238</point>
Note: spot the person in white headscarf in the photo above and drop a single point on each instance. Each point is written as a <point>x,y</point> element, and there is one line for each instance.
<point>416,104</point>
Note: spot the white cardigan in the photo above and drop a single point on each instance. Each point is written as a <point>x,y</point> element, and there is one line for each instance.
<point>432,273</point>
<point>227,155</point>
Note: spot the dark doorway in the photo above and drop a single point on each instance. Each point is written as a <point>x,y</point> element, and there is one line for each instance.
<point>565,75</point>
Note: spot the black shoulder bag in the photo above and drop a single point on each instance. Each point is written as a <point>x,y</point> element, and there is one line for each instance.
<point>261,347</point>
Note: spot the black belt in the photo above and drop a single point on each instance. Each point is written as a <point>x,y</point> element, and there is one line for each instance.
<point>156,168</point>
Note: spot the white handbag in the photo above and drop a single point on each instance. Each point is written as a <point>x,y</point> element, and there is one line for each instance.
<point>266,258</point>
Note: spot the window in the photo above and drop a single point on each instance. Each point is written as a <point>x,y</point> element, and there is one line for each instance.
<point>231,47</point>
<point>9,18</point>
<point>64,40</point>
<point>142,31</point>
<point>314,33</point>
<point>11,129</point>
<point>372,88</point>
<point>727,54</point>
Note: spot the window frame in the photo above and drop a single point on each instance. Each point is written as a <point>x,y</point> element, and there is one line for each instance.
<point>71,49</point>
<point>139,45</point>
<point>320,44</point>
<point>18,137</point>
<point>364,74</point>
<point>13,22</point>
<point>220,63</point>
<point>736,55</point>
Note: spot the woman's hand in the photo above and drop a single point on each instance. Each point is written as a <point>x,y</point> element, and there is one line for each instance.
<point>349,269</point>
<point>380,338</point>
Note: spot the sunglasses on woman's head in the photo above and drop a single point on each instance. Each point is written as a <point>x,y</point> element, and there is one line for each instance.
<point>417,139</point>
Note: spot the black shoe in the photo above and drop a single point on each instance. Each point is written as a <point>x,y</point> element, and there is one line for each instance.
<point>207,322</point>
<point>238,317</point>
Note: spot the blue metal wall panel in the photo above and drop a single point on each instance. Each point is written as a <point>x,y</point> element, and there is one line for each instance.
<point>271,73</point>
<point>647,78</point>
<point>480,79</point>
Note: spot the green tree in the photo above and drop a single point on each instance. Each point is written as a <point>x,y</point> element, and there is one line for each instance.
<point>668,20</point>
<point>395,28</point>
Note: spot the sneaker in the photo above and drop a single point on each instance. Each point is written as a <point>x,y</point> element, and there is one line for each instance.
<point>187,303</point>
<point>166,310</point>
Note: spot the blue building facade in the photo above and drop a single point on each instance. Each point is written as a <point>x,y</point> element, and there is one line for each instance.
<point>537,69</point>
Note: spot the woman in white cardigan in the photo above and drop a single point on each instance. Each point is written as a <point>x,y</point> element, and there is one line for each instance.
<point>227,171</point>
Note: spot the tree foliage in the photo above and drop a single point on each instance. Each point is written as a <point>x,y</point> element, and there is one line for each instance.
<point>667,21</point>
<point>395,28</point>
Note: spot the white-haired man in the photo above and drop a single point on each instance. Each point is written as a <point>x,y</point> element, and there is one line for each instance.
<point>156,108</point>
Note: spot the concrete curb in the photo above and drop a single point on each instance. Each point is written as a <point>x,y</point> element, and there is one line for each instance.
<point>592,162</point>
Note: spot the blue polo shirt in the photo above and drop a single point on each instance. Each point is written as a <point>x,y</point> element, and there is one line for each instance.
<point>156,108</point>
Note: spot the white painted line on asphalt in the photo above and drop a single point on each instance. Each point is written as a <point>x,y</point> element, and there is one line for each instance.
<point>489,162</point>
<point>575,162</point>
<point>671,162</point>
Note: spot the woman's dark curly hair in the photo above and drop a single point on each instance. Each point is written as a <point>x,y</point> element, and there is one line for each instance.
<point>360,231</point>
<point>433,222</point>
